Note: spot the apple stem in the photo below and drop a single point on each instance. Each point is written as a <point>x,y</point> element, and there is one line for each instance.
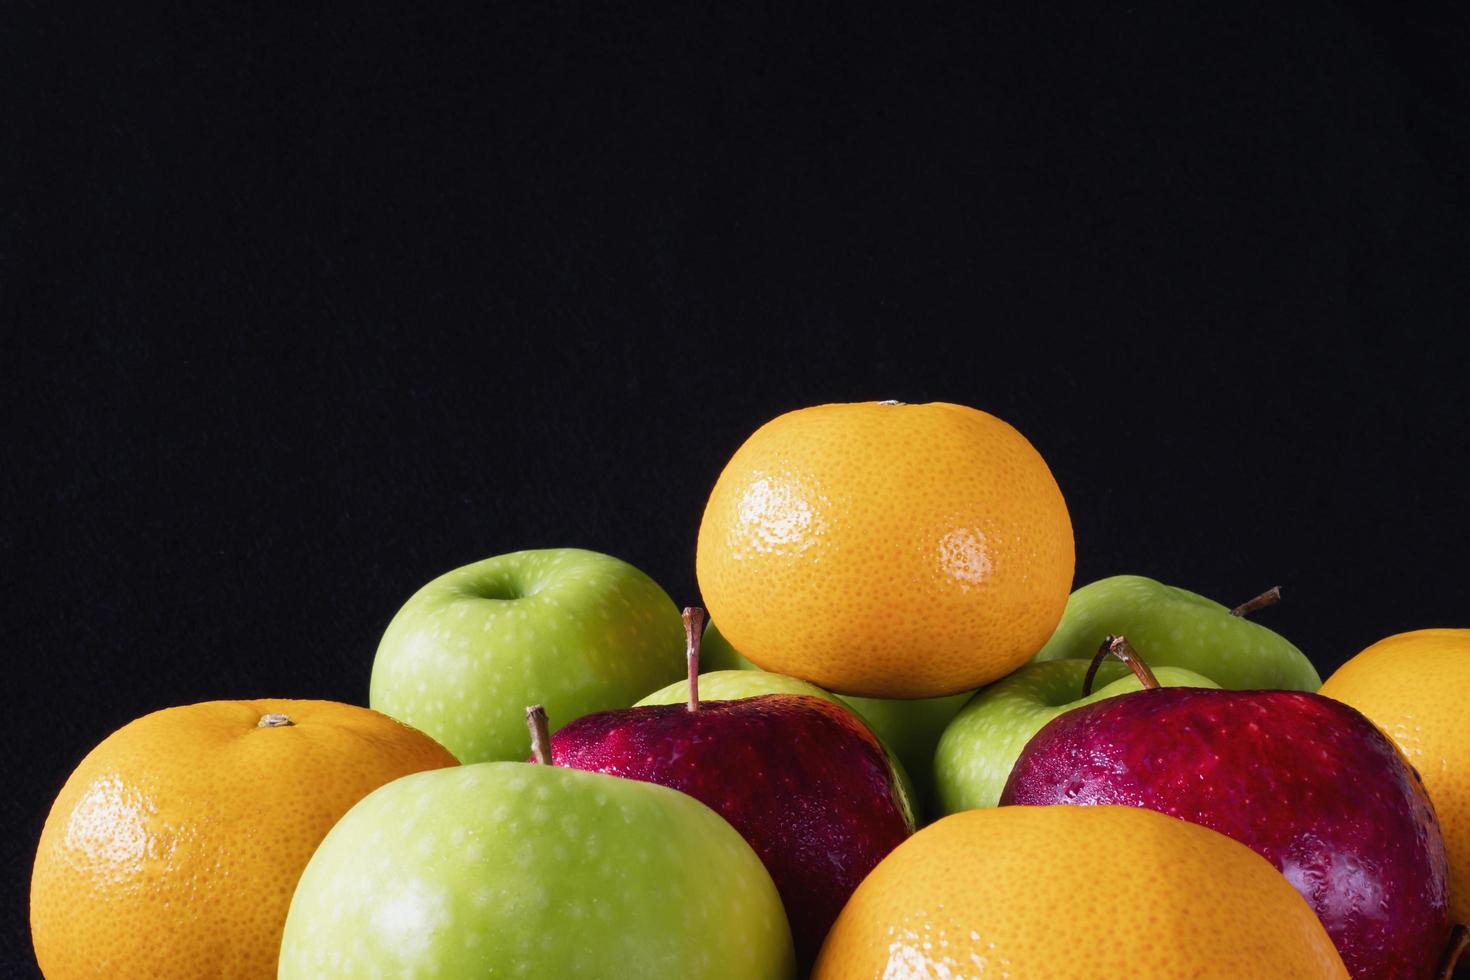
<point>540,734</point>
<point>693,630</point>
<point>1119,647</point>
<point>1268,598</point>
<point>1459,941</point>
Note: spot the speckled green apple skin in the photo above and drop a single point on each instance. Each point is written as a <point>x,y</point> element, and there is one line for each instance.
<point>910,729</point>
<point>716,653</point>
<point>980,746</point>
<point>576,631</point>
<point>732,685</point>
<point>507,869</point>
<point>1173,627</point>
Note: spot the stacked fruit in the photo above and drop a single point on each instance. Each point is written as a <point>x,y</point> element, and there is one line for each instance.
<point>1130,781</point>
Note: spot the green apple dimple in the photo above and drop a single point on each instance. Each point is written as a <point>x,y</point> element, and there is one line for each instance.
<point>980,746</point>
<point>518,870</point>
<point>1174,627</point>
<point>576,631</point>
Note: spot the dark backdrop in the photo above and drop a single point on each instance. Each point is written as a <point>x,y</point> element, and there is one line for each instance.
<point>304,307</point>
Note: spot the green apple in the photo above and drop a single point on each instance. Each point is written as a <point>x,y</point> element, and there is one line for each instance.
<point>716,653</point>
<point>574,630</point>
<point>732,685</point>
<point>1171,627</point>
<point>509,869</point>
<point>910,729</point>
<point>979,747</point>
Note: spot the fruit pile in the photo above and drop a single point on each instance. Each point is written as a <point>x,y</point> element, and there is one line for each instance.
<point>904,751</point>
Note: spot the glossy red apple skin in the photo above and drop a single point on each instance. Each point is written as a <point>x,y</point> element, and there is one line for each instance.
<point>802,779</point>
<point>1307,782</point>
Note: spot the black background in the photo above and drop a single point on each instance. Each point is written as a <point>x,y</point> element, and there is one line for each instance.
<point>304,307</point>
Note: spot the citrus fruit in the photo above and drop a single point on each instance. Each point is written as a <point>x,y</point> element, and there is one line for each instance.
<point>173,849</point>
<point>886,550</point>
<point>1072,891</point>
<point>1413,686</point>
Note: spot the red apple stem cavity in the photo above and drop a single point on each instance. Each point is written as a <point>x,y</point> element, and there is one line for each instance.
<point>540,734</point>
<point>693,631</point>
<point>1119,647</point>
<point>1459,941</point>
<point>1268,598</point>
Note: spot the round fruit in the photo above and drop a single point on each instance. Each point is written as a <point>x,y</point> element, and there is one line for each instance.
<point>909,729</point>
<point>1413,686</point>
<point>716,653</point>
<point>505,869</point>
<point>577,631</point>
<point>1305,781</point>
<point>174,847</point>
<point>886,550</point>
<point>1174,627</point>
<point>1069,891</point>
<point>976,750</point>
<point>732,685</point>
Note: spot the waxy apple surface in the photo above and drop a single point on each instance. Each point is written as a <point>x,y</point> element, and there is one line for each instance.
<point>1306,782</point>
<point>910,729</point>
<point>732,685</point>
<point>573,630</point>
<point>517,870</point>
<point>801,778</point>
<point>978,748</point>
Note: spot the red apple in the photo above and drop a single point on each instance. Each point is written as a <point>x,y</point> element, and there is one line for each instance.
<point>1307,782</point>
<point>802,779</point>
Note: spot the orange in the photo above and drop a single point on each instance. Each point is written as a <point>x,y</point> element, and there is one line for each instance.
<point>886,550</point>
<point>1075,891</point>
<point>174,847</point>
<point>1413,686</point>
